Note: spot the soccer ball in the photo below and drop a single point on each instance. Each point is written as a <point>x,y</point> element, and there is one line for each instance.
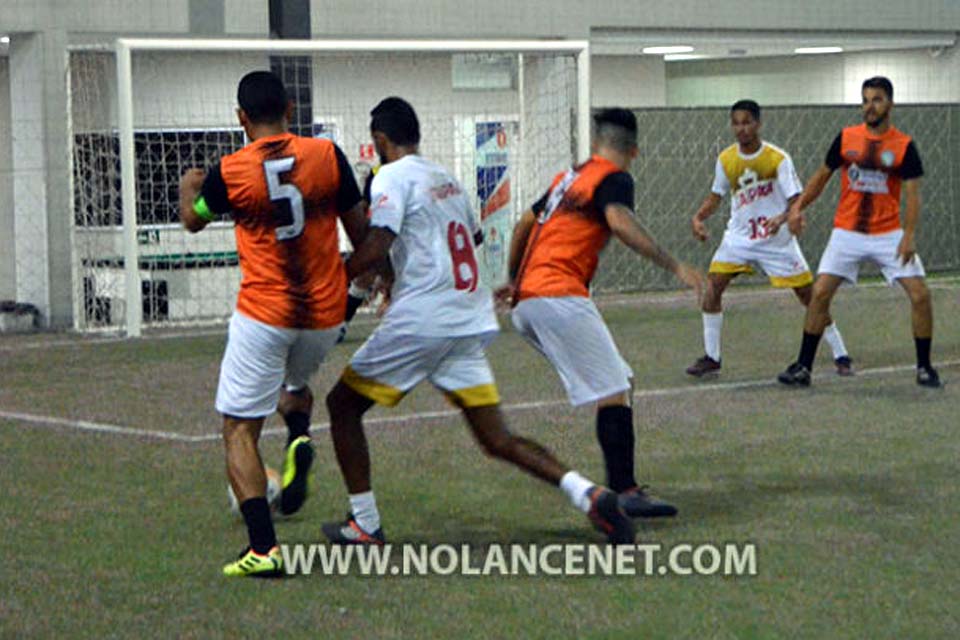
<point>273,492</point>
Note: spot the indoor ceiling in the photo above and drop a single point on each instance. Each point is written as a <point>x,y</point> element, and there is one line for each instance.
<point>715,44</point>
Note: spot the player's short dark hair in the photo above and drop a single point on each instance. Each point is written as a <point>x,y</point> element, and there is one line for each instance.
<point>878,82</point>
<point>262,97</point>
<point>750,106</point>
<point>616,127</point>
<point>396,119</point>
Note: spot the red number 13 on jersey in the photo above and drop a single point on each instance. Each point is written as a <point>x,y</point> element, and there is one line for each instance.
<point>465,272</point>
<point>758,229</point>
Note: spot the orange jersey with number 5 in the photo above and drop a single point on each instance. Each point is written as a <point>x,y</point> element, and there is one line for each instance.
<point>283,191</point>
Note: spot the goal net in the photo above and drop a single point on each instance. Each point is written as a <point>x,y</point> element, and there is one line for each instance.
<point>503,116</point>
<point>674,171</point>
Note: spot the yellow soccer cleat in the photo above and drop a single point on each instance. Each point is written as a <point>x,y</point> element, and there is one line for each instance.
<point>255,565</point>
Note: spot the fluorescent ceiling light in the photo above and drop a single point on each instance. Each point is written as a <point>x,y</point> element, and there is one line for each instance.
<point>670,57</point>
<point>668,49</point>
<point>818,50</point>
<point>4,39</point>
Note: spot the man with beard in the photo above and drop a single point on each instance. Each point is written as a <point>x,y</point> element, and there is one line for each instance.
<point>877,159</point>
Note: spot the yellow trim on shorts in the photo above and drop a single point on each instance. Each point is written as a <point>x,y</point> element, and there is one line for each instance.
<point>483,395</point>
<point>729,268</point>
<point>380,393</point>
<point>792,282</point>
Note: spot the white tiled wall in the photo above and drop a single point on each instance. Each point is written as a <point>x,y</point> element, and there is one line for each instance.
<point>247,18</point>
<point>573,18</point>
<point>627,81</point>
<point>828,79</point>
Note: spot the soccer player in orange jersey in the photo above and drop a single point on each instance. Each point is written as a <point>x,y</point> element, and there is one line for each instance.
<point>438,323</point>
<point>876,160</point>
<point>284,194</point>
<point>361,288</point>
<point>554,253</point>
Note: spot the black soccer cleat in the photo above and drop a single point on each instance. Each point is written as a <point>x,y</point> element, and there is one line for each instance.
<point>296,475</point>
<point>928,377</point>
<point>704,366</point>
<point>637,503</point>
<point>796,375</point>
<point>844,366</point>
<point>607,516</point>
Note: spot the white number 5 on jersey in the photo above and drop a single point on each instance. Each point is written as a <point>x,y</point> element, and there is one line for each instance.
<point>285,191</point>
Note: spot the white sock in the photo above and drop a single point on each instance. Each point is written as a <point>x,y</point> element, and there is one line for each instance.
<point>712,326</point>
<point>364,509</point>
<point>832,335</point>
<point>356,291</point>
<point>577,487</point>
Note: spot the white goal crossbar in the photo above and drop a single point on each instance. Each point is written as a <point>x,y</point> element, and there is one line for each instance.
<point>125,48</point>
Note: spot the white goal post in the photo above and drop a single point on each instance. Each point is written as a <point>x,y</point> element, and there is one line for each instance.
<point>504,115</point>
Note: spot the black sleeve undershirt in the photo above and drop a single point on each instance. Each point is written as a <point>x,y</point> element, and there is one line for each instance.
<point>912,166</point>
<point>616,188</point>
<point>348,194</point>
<point>834,160</point>
<point>214,191</point>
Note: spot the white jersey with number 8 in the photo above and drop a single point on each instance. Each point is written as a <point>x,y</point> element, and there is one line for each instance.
<point>437,291</point>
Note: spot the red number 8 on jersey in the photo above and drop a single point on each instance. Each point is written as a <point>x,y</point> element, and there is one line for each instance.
<point>465,273</point>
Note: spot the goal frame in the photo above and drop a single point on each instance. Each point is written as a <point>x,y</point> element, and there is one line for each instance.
<point>124,48</point>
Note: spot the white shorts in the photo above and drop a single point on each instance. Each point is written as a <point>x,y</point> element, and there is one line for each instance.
<point>389,365</point>
<point>572,335</point>
<point>782,261</point>
<point>847,249</point>
<point>260,358</point>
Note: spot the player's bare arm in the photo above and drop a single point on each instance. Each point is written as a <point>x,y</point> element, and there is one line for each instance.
<point>812,191</point>
<point>773,224</point>
<point>624,226</point>
<point>911,215</point>
<point>518,244</point>
<point>190,184</point>
<point>707,209</point>
<point>373,254</point>
<point>355,222</point>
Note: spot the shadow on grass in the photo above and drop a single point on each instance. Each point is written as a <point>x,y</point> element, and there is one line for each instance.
<point>737,499</point>
<point>905,392</point>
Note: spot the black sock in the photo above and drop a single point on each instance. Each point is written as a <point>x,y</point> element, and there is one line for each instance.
<point>353,303</point>
<point>808,349</point>
<point>615,433</point>
<point>923,352</point>
<point>256,513</point>
<point>298,424</point>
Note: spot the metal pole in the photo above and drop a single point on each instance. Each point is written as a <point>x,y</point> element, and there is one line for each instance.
<point>131,266</point>
<point>583,104</point>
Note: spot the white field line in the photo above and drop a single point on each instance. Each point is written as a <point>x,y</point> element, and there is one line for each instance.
<point>633,299</point>
<point>654,299</point>
<point>30,420</point>
<point>34,420</point>
<point>80,341</point>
